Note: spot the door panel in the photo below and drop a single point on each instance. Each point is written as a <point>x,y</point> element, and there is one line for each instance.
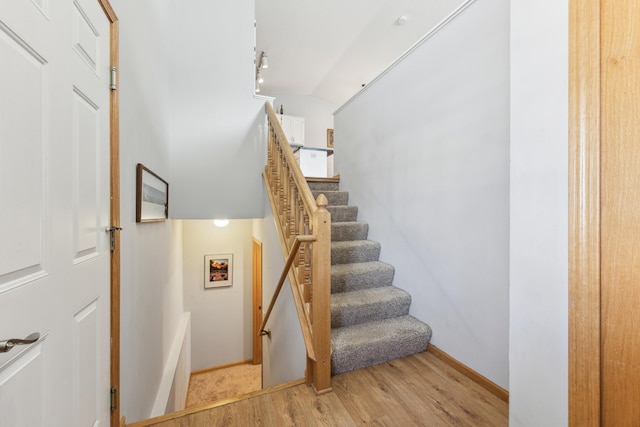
<point>89,94</point>
<point>23,376</point>
<point>23,141</point>
<point>86,365</point>
<point>85,36</point>
<point>54,210</point>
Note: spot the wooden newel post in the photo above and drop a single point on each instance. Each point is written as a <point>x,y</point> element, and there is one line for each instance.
<point>321,312</point>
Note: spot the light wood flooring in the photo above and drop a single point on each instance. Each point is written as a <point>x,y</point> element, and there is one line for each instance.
<point>418,390</point>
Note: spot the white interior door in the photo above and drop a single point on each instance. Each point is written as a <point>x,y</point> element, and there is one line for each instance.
<point>54,209</point>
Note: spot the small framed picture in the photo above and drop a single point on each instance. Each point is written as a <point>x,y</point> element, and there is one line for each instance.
<point>152,196</point>
<point>218,271</point>
<point>329,138</point>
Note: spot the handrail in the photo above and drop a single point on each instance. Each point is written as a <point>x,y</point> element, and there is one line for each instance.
<point>304,230</point>
<point>285,271</point>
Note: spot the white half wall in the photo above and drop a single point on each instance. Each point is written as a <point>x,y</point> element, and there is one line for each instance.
<point>284,354</point>
<point>424,153</point>
<point>182,373</point>
<point>221,318</point>
<point>219,142</point>
<point>538,354</point>
<point>172,393</point>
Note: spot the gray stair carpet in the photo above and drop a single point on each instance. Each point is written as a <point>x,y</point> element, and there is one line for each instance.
<point>335,198</point>
<point>343,213</point>
<point>352,230</point>
<point>354,251</point>
<point>370,321</point>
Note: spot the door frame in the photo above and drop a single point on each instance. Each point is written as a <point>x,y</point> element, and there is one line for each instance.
<point>114,143</point>
<point>256,256</point>
<point>584,213</point>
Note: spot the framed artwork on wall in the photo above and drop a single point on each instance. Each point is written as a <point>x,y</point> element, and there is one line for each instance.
<point>329,138</point>
<point>152,196</point>
<point>218,271</point>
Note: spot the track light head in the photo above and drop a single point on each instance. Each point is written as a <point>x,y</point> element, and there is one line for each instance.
<point>264,63</point>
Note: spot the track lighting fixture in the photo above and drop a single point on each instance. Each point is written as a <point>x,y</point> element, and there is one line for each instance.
<point>264,63</point>
<point>261,64</point>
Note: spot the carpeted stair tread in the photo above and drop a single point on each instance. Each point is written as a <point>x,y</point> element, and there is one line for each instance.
<point>343,213</point>
<point>335,198</point>
<point>351,230</point>
<point>370,321</point>
<point>368,305</point>
<point>323,186</point>
<point>354,251</point>
<point>376,342</point>
<point>361,275</point>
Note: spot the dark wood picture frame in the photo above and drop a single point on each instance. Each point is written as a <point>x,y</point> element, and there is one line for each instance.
<point>152,196</point>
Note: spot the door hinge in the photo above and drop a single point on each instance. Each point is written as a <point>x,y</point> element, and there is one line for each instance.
<point>112,231</point>
<point>114,398</point>
<point>114,78</point>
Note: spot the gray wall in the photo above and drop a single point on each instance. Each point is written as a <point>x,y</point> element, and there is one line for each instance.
<point>151,278</point>
<point>424,151</point>
<point>539,211</point>
<point>219,147</point>
<point>207,140</point>
<point>221,318</point>
<point>284,355</point>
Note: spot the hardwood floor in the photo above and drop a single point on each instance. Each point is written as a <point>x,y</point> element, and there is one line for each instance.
<point>418,390</point>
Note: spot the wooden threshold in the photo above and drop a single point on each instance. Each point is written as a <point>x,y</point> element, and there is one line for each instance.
<point>228,365</point>
<point>179,414</point>
<point>483,381</point>
<point>335,178</point>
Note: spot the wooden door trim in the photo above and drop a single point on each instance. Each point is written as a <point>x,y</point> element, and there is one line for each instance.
<point>114,120</point>
<point>584,214</point>
<point>257,300</point>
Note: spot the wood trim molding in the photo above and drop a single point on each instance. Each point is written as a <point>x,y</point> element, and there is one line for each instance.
<point>216,368</point>
<point>180,414</point>
<point>114,210</point>
<point>256,296</point>
<point>481,380</point>
<point>335,178</point>
<point>584,214</point>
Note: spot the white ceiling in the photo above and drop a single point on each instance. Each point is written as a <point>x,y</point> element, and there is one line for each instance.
<point>330,48</point>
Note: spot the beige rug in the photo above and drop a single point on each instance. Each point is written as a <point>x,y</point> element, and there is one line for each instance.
<point>217,384</point>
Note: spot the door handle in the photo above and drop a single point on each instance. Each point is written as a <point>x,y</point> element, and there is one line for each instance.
<point>7,345</point>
